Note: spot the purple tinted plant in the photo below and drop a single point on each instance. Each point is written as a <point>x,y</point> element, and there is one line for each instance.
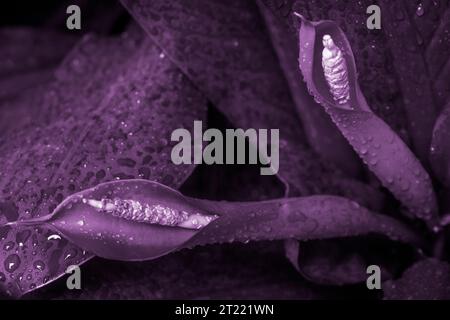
<point>82,140</point>
<point>380,148</point>
<point>139,230</point>
<point>108,112</point>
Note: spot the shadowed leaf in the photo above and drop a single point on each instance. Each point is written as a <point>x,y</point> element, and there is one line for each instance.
<point>428,279</point>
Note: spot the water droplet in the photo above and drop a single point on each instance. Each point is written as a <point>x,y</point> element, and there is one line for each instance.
<point>419,10</point>
<point>39,265</point>
<point>71,253</point>
<point>8,246</point>
<point>4,232</point>
<point>12,262</point>
<point>34,241</point>
<point>22,237</point>
<point>54,237</point>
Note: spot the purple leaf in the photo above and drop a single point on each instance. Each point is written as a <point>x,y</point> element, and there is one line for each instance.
<point>440,151</point>
<point>20,70</point>
<point>108,116</point>
<point>380,148</point>
<point>344,261</point>
<point>142,220</point>
<point>19,42</point>
<point>231,271</point>
<point>416,69</point>
<point>428,279</point>
<point>20,111</point>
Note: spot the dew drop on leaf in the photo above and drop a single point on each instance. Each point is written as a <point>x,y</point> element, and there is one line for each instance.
<point>12,262</point>
<point>70,254</point>
<point>419,10</point>
<point>39,265</point>
<point>22,237</point>
<point>8,246</point>
<point>54,237</point>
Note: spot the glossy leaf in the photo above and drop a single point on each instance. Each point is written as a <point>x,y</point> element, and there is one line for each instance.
<point>109,116</point>
<point>440,151</point>
<point>414,59</point>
